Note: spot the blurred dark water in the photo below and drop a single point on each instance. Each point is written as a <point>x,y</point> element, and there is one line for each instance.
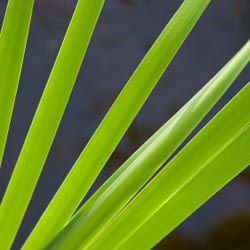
<point>124,33</point>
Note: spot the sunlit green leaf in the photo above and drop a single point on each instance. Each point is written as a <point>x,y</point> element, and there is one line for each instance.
<point>47,119</point>
<point>107,202</point>
<point>215,156</point>
<point>116,122</point>
<point>13,40</point>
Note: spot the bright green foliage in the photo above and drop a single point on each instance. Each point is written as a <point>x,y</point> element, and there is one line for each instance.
<point>47,119</point>
<point>13,40</point>
<point>94,216</point>
<point>193,176</point>
<point>117,120</point>
<point>122,213</point>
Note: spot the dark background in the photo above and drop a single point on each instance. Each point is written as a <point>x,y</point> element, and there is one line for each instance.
<point>124,33</point>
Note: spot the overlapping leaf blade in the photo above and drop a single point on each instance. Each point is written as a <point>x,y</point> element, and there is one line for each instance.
<point>109,213</point>
<point>120,188</point>
<point>115,123</point>
<point>215,156</point>
<point>47,118</point>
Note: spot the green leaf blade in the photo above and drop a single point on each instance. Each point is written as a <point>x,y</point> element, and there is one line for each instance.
<point>166,184</point>
<point>47,119</point>
<point>120,188</point>
<point>116,122</point>
<point>230,161</point>
<point>13,39</point>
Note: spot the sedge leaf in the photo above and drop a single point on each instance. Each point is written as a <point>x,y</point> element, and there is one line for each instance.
<point>47,118</point>
<point>216,155</point>
<point>13,39</point>
<point>107,202</point>
<point>116,122</point>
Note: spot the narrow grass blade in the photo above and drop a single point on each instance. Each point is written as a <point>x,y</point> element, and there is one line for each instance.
<point>13,39</point>
<point>116,122</point>
<point>47,119</point>
<point>106,203</point>
<point>216,155</point>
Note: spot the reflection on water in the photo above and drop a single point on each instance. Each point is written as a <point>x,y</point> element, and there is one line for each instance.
<point>125,31</point>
